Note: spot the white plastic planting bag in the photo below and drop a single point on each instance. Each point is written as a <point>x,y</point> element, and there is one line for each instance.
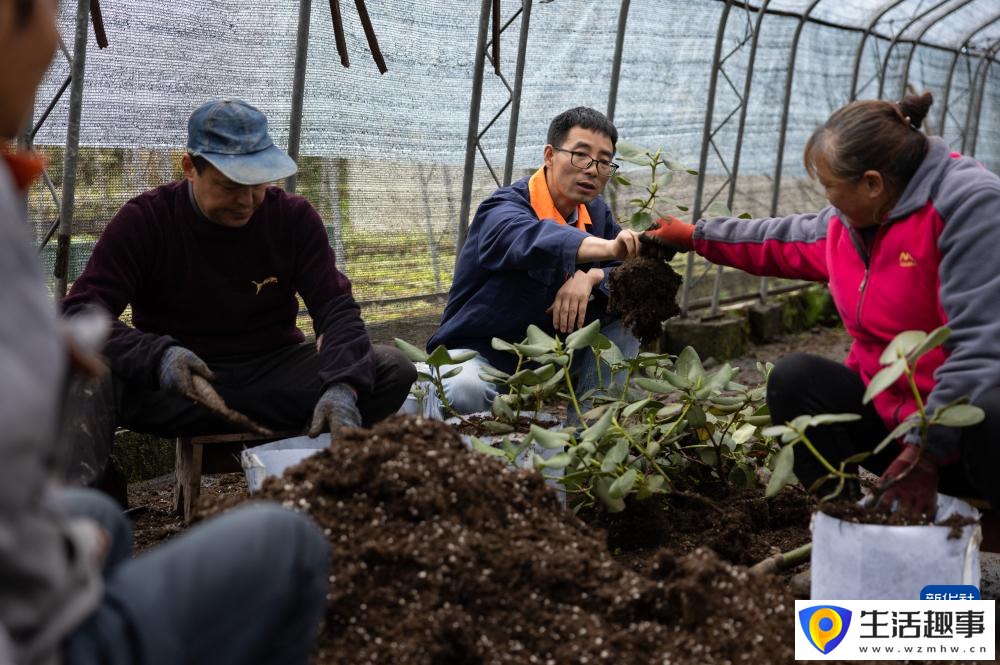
<point>271,459</point>
<point>875,562</point>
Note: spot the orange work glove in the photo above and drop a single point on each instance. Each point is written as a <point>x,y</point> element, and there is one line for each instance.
<point>666,237</point>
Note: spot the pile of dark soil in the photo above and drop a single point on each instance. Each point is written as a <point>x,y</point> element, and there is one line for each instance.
<point>739,526</point>
<point>852,512</point>
<point>644,293</point>
<point>441,555</point>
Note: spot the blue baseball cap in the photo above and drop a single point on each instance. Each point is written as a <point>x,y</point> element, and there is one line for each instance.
<point>232,136</point>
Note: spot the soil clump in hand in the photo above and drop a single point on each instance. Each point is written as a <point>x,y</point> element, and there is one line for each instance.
<point>644,293</point>
<point>443,555</point>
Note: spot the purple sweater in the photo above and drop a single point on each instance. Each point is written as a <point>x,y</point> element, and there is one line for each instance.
<point>219,291</point>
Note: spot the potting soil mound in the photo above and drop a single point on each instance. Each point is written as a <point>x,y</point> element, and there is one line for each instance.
<point>443,555</point>
<point>644,293</point>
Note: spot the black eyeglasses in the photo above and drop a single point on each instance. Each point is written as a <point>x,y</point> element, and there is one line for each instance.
<point>582,161</point>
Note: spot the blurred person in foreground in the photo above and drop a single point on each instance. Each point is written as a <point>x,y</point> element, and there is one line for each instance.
<point>539,252</point>
<point>211,265</point>
<point>908,242</point>
<point>247,587</point>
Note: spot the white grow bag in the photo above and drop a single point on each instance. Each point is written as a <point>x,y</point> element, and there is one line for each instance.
<point>271,459</point>
<point>876,562</point>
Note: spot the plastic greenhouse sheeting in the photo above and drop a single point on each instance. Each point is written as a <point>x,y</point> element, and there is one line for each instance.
<point>382,155</point>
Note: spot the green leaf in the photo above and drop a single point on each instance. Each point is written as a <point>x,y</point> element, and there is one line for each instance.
<point>784,463</point>
<point>597,430</point>
<point>640,220</point>
<point>830,418</point>
<point>552,382</point>
<point>653,485</point>
<point>500,345</point>
<point>557,461</point>
<point>547,438</point>
<point>669,411</point>
<point>744,433</point>
<point>623,485</point>
<point>623,181</point>
<point>601,489</point>
<point>495,427</point>
<point>537,337</point>
<point>501,409</point>
<point>759,421</point>
<point>612,355</point>
<point>665,179</point>
<point>717,209</point>
<point>615,456</point>
<point>653,385</point>
<point>689,365</point>
<point>674,165</point>
<point>696,417</point>
<point>583,337</point>
<point>454,371</point>
<point>745,215</point>
<point>626,149</point>
<point>544,373</point>
<point>958,415</point>
<point>413,353</point>
<point>776,431</point>
<point>596,412</point>
<point>897,432</point>
<point>885,378</point>
<point>936,338</point>
<point>857,458</point>
<point>439,357</point>
<point>479,446</point>
<point>901,346</point>
<point>635,406</point>
<point>532,350</point>
<point>463,356</point>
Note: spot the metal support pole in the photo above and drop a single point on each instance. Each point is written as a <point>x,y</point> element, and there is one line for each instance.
<point>785,108</point>
<point>616,64</point>
<point>72,154</point>
<point>973,98</point>
<point>861,46</point>
<point>895,40</point>
<point>473,135</point>
<point>298,88</point>
<point>706,136</point>
<point>954,62</point>
<point>734,174</point>
<point>973,131</point>
<point>919,38</point>
<point>515,94</point>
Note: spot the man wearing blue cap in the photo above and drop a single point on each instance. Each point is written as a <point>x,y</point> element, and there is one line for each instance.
<point>211,266</point>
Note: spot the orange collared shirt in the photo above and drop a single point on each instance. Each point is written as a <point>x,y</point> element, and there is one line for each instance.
<point>545,207</point>
<point>24,167</point>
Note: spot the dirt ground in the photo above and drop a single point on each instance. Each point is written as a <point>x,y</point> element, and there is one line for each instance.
<point>511,577</point>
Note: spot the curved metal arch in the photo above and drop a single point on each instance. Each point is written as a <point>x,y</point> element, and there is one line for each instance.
<point>703,161</point>
<point>919,38</point>
<point>785,109</point>
<point>951,70</point>
<point>734,173</point>
<point>861,46</point>
<point>895,40</point>
<point>970,129</point>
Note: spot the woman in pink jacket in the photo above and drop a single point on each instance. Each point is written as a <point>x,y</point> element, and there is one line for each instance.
<point>909,242</point>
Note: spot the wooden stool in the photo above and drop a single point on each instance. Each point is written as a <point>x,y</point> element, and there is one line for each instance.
<point>188,464</point>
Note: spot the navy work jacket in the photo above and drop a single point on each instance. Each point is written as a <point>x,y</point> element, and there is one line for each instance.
<point>510,269</point>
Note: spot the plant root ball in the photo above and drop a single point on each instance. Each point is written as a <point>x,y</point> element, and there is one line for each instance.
<point>644,293</point>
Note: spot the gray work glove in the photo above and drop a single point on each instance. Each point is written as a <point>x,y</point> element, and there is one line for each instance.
<point>337,408</point>
<point>176,368</point>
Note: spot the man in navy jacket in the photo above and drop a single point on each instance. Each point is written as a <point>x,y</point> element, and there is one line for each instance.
<point>539,252</point>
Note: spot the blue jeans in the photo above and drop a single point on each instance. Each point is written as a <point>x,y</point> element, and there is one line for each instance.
<point>467,393</point>
<point>246,587</point>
